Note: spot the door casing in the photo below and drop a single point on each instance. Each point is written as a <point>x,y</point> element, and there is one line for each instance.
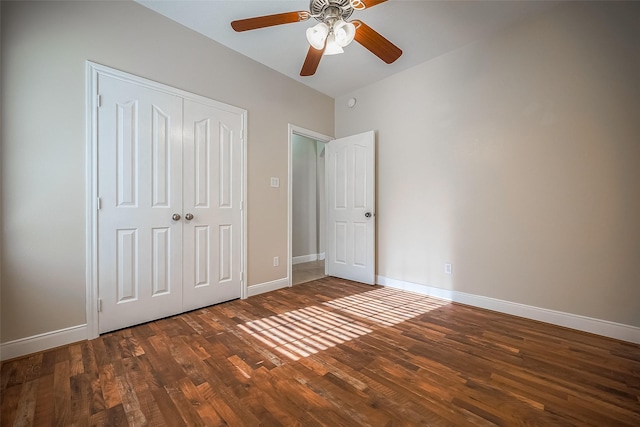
<point>93,70</point>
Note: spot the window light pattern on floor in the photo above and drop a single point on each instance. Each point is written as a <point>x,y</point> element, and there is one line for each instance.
<point>300,333</point>
<point>386,306</point>
<point>303,332</point>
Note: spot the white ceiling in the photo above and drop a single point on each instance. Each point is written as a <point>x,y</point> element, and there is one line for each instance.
<point>422,29</point>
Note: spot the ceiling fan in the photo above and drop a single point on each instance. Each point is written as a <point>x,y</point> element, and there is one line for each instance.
<point>332,33</point>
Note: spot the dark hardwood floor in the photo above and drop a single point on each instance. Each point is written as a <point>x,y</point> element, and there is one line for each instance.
<point>330,353</point>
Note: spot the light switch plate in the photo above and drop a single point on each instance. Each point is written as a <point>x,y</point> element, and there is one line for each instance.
<point>275,182</point>
<point>447,268</point>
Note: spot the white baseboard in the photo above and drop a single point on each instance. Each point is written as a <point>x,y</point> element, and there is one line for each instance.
<point>307,258</point>
<point>41,342</point>
<point>304,258</point>
<point>267,286</point>
<point>581,323</point>
<point>48,340</point>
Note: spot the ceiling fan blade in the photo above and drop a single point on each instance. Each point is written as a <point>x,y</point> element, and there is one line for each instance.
<point>378,45</point>
<point>312,61</point>
<point>269,20</point>
<point>371,3</point>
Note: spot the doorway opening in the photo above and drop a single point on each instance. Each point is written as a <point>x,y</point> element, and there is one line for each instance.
<point>307,209</point>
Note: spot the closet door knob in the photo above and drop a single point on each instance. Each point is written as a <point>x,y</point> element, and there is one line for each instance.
<point>175,217</point>
<point>188,216</point>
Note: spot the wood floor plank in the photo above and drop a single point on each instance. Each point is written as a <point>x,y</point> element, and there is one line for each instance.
<point>25,411</point>
<point>262,401</point>
<point>100,352</point>
<point>76,365</point>
<point>165,368</point>
<point>81,395</point>
<point>130,403</point>
<point>223,407</point>
<point>96,404</point>
<point>185,409</point>
<point>10,397</point>
<point>205,410</point>
<point>146,401</point>
<point>401,400</point>
<point>282,401</point>
<point>344,398</point>
<point>61,393</point>
<point>116,417</point>
<point>330,353</point>
<point>44,401</point>
<point>169,411</point>
<point>110,393</point>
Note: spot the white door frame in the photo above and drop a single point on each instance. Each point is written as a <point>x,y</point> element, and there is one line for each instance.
<point>296,130</point>
<point>92,71</point>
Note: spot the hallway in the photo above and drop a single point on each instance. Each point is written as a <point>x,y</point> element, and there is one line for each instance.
<point>308,271</point>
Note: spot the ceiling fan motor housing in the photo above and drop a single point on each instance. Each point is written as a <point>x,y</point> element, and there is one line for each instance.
<point>325,10</point>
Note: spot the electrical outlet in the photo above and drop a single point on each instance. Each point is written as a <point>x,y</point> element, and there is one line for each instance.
<point>447,268</point>
<point>276,261</point>
<point>275,182</point>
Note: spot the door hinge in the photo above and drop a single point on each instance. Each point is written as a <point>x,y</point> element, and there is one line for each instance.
<point>99,305</point>
<point>99,100</point>
<point>99,203</point>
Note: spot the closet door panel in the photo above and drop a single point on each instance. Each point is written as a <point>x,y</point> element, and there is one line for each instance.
<point>140,188</point>
<point>212,159</point>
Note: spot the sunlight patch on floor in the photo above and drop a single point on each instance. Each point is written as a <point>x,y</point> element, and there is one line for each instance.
<point>300,333</point>
<point>386,306</point>
<point>303,332</point>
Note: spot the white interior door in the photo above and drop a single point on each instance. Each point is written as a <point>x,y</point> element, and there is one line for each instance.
<point>170,189</point>
<point>350,176</point>
<point>213,216</point>
<point>139,185</point>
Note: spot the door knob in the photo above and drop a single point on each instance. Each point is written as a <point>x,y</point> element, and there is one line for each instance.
<point>175,217</point>
<point>367,214</point>
<point>188,216</point>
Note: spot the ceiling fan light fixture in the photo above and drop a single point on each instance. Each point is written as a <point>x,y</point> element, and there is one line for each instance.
<point>333,48</point>
<point>344,32</point>
<point>332,32</point>
<point>317,34</point>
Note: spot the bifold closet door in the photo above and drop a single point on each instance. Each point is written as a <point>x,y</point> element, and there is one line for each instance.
<point>140,189</point>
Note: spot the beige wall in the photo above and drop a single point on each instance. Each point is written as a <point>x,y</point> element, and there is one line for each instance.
<point>517,160</point>
<point>44,49</point>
